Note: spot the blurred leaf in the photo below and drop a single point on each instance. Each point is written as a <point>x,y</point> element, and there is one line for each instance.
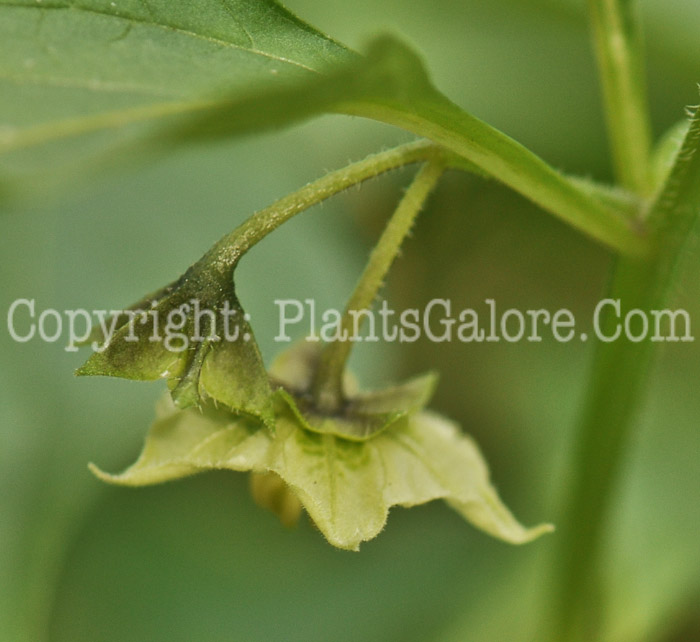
<point>665,152</point>
<point>346,487</point>
<point>650,586</point>
<point>390,85</point>
<point>85,85</point>
<point>72,67</point>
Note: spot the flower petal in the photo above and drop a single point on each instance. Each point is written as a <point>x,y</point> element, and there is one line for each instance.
<point>347,487</point>
<point>181,443</point>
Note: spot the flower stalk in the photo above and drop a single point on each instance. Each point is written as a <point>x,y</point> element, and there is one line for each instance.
<point>228,251</point>
<point>328,382</point>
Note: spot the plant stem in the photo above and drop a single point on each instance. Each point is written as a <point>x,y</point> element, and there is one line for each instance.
<point>620,61</point>
<point>620,371</point>
<point>506,160</point>
<point>615,385</point>
<point>327,387</point>
<point>226,253</point>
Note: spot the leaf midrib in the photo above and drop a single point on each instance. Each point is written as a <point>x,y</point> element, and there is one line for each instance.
<point>56,130</point>
<point>96,86</point>
<point>166,27</point>
<point>45,132</point>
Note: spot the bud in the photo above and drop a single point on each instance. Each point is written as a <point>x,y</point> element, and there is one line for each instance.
<point>271,492</point>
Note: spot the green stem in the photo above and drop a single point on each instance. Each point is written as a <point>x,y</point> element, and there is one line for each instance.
<point>226,253</point>
<point>506,160</point>
<point>327,386</point>
<point>620,61</point>
<point>615,389</point>
<point>620,372</point>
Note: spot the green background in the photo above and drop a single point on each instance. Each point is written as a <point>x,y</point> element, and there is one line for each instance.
<point>196,559</point>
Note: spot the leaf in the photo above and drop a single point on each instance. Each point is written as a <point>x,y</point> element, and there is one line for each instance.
<point>346,487</point>
<point>677,208</point>
<point>72,68</point>
<point>391,84</point>
<point>665,153</point>
<point>176,75</point>
<point>363,415</point>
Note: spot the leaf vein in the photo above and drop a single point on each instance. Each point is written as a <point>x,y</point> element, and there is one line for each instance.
<point>167,27</point>
<point>93,85</point>
<point>329,458</point>
<point>234,17</point>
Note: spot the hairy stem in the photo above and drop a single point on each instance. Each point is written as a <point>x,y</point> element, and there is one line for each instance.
<point>227,252</point>
<point>499,156</point>
<point>327,387</point>
<point>618,49</point>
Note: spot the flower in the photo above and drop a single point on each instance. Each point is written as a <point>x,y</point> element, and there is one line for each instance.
<point>346,470</point>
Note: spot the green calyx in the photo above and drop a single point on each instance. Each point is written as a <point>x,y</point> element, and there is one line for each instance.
<point>361,415</point>
<point>195,334</point>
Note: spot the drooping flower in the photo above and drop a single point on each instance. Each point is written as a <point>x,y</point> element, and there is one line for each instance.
<point>346,470</point>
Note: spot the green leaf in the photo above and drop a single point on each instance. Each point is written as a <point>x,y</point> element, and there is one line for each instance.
<point>677,208</point>
<point>346,487</point>
<point>363,414</point>
<point>72,68</point>
<point>665,152</point>
<point>229,68</point>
